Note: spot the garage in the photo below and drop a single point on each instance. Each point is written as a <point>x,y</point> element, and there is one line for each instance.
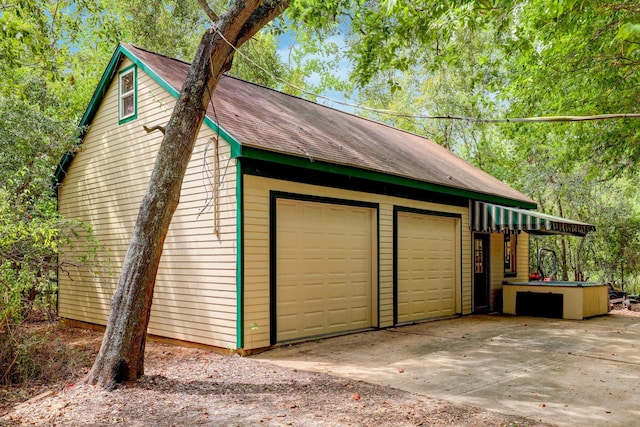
<point>324,268</point>
<point>427,265</point>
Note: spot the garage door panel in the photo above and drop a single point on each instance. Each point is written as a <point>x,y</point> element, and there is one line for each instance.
<point>426,263</point>
<point>324,275</point>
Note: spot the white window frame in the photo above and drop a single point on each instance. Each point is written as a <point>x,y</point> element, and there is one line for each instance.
<point>124,117</point>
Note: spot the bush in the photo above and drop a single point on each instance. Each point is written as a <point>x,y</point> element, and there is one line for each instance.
<point>34,354</point>
<point>29,264</point>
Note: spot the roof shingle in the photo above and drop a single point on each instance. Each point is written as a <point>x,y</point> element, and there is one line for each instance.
<point>269,120</point>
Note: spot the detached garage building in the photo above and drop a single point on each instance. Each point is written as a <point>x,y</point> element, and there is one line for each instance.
<point>295,221</point>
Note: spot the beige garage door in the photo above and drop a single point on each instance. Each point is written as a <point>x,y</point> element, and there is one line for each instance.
<point>324,259</point>
<point>426,266</point>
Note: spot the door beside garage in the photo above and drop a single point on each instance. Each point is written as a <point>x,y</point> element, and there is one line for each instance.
<point>325,268</point>
<point>427,265</point>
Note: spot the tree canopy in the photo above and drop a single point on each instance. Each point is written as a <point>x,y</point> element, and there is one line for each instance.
<point>479,59</point>
<point>502,59</point>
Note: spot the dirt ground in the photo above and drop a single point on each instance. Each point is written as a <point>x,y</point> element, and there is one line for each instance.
<point>185,386</point>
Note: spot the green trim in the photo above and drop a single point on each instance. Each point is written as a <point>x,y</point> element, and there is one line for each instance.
<point>289,160</point>
<point>135,94</point>
<point>273,315</point>
<point>378,265</point>
<point>426,212</point>
<point>394,262</point>
<point>118,56</point>
<point>322,199</point>
<point>396,210</point>
<point>90,112</point>
<point>235,145</point>
<point>274,195</point>
<point>332,180</point>
<point>240,255</point>
<point>101,90</point>
<point>461,274</point>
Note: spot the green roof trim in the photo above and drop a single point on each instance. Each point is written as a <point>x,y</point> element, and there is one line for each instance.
<point>235,145</point>
<point>238,150</point>
<point>134,116</point>
<point>109,74</point>
<point>240,257</point>
<point>101,90</point>
<point>285,159</point>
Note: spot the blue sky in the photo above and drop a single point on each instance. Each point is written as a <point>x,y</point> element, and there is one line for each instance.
<point>341,69</point>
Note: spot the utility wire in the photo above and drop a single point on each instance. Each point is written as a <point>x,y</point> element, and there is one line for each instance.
<point>429,117</point>
<point>519,119</point>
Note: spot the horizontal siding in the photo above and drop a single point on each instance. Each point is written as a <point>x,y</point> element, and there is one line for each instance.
<point>497,266</point>
<point>466,267</point>
<point>523,258</point>
<point>195,291</point>
<point>256,250</point>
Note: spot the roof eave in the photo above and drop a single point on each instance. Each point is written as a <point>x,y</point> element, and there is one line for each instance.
<point>105,81</point>
<point>87,117</point>
<point>285,159</point>
<point>239,151</point>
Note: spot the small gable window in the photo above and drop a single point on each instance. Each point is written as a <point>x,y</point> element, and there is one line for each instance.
<point>127,85</point>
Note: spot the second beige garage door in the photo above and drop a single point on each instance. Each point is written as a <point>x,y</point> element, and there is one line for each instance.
<point>427,261</point>
<point>324,268</point>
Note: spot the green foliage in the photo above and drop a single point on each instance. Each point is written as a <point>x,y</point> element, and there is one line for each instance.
<point>482,58</point>
<point>174,28</point>
<point>31,230</point>
<point>575,60</point>
<point>170,27</point>
<point>492,59</point>
<point>258,61</point>
<point>40,106</point>
<point>629,37</point>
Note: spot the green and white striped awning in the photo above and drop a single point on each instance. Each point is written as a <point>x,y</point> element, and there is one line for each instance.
<point>490,218</point>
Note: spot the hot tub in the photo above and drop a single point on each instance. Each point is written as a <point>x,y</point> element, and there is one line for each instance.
<point>563,300</point>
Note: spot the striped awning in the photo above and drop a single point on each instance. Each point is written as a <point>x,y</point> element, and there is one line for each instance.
<point>490,218</point>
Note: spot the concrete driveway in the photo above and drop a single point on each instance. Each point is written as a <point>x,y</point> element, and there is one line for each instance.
<point>562,372</point>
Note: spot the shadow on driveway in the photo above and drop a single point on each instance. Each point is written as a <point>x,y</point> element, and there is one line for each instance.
<point>561,372</point>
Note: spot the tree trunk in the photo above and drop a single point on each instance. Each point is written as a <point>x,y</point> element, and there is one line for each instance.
<point>121,356</point>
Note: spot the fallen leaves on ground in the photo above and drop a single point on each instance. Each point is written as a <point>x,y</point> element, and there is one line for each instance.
<point>185,386</point>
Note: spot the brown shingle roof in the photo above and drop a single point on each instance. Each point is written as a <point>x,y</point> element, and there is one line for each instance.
<point>269,120</point>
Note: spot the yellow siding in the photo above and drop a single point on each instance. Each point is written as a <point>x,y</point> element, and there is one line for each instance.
<point>195,291</point>
<point>256,249</point>
<point>497,266</point>
<point>596,301</point>
<point>523,258</point>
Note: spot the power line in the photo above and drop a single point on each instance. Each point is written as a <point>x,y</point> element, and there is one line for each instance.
<point>544,119</point>
<point>516,119</point>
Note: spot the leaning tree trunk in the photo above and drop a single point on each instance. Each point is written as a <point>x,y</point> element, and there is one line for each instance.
<point>121,356</point>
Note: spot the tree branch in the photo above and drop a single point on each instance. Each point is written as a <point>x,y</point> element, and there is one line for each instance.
<point>239,24</point>
<point>267,12</point>
<point>210,13</point>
